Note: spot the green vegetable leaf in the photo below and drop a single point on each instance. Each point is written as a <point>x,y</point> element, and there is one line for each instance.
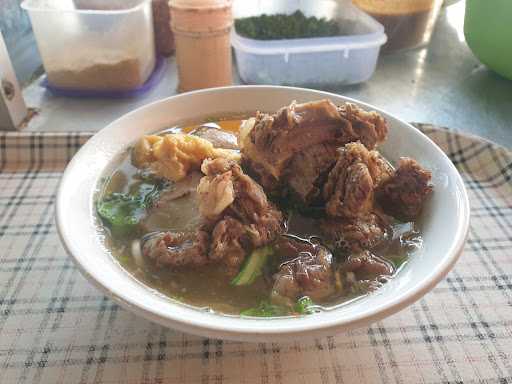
<point>265,309</point>
<point>122,212</point>
<point>148,193</point>
<point>399,260</point>
<point>304,306</point>
<point>282,26</point>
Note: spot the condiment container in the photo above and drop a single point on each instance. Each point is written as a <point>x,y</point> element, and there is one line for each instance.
<point>164,38</point>
<point>408,23</point>
<point>319,62</point>
<point>86,47</point>
<point>202,36</point>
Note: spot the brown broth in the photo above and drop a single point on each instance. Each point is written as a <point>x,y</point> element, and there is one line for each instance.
<point>208,288</point>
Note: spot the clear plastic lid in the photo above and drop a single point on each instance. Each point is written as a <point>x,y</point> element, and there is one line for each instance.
<point>84,6</point>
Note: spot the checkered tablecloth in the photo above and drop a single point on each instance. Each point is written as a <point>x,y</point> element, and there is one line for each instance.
<point>56,328</point>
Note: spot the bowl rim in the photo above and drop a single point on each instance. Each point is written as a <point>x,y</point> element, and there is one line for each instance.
<point>202,325</point>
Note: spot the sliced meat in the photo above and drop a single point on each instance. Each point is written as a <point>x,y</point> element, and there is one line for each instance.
<point>354,235</point>
<point>227,245</point>
<point>306,270</point>
<point>349,189</point>
<point>237,217</point>
<point>237,210</point>
<point>307,171</point>
<point>266,228</point>
<point>369,127</point>
<point>380,169</point>
<point>270,145</point>
<point>352,192</point>
<point>286,288</point>
<point>309,273</point>
<point>362,273</point>
<point>217,166</point>
<point>177,249</point>
<point>289,246</point>
<point>404,194</point>
<point>366,266</point>
<point>249,202</point>
<point>218,137</point>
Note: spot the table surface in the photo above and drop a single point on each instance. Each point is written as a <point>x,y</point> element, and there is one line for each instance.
<point>58,328</point>
<point>443,84</point>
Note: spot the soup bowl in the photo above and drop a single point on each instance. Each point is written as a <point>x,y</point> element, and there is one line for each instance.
<point>444,221</point>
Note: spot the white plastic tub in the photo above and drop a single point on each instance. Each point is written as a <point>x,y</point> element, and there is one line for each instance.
<point>316,62</point>
<point>91,45</point>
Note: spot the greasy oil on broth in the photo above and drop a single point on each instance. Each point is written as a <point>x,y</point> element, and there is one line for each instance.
<point>228,125</point>
<point>208,288</point>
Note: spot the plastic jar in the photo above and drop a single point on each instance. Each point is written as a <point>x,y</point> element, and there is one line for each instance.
<point>315,62</point>
<point>89,45</point>
<point>202,37</point>
<point>408,23</point>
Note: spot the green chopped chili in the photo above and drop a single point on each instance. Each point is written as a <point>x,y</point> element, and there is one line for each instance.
<point>281,26</point>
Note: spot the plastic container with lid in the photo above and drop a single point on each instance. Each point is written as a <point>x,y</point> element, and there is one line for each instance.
<point>408,23</point>
<point>94,45</point>
<point>320,62</point>
<point>203,51</point>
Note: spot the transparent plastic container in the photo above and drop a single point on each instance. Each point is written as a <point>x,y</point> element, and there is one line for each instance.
<point>94,45</point>
<point>320,62</point>
<point>408,23</point>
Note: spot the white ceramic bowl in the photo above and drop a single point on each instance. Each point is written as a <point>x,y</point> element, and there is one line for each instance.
<point>445,219</point>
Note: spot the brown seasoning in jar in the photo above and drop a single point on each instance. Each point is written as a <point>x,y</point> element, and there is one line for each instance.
<point>408,23</point>
<point>121,75</point>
